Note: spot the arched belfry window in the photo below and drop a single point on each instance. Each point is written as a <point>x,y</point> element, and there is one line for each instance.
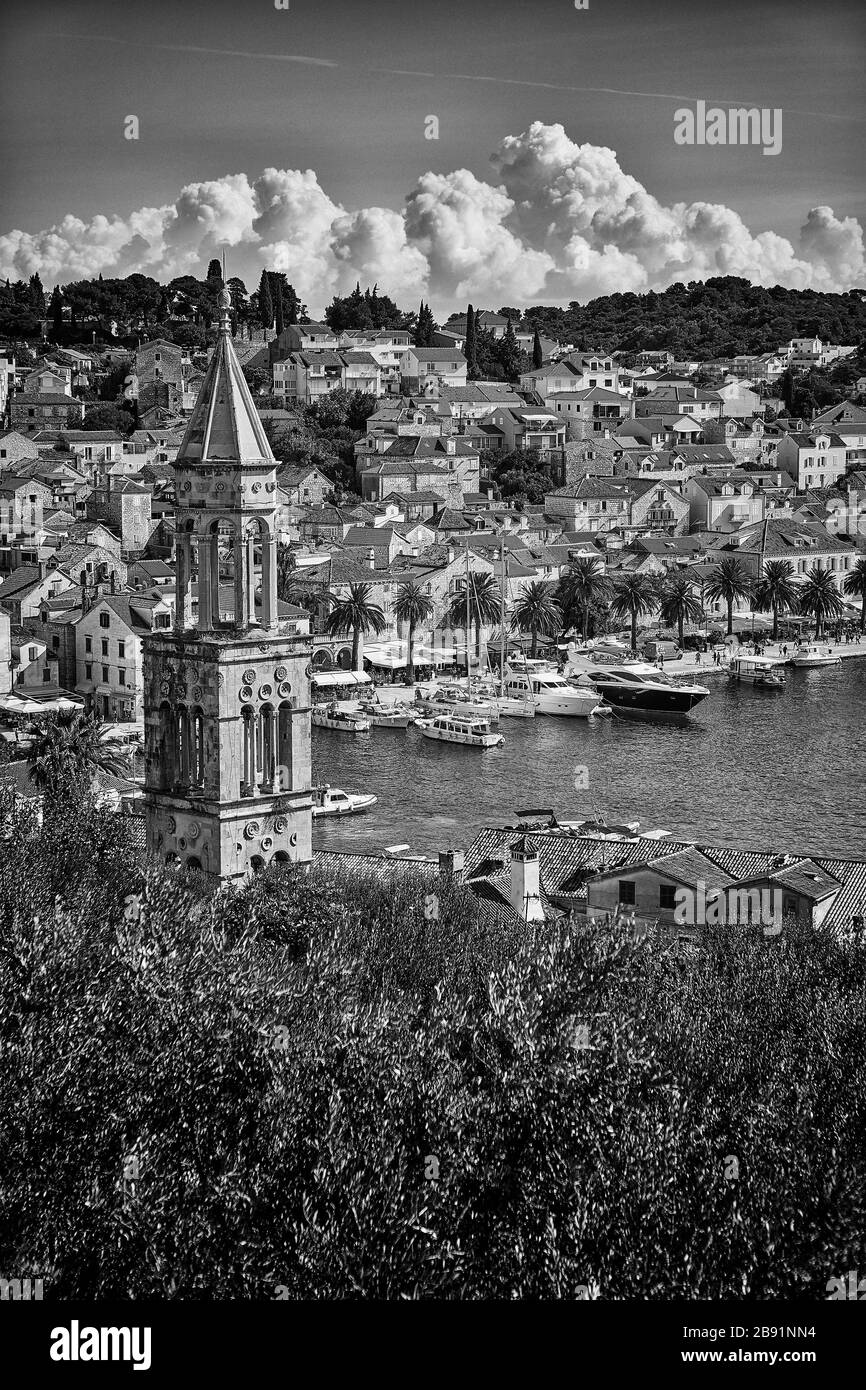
<point>284,747</point>
<point>197,758</point>
<point>248,752</point>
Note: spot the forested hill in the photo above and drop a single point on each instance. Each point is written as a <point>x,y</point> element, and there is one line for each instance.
<point>716,318</point>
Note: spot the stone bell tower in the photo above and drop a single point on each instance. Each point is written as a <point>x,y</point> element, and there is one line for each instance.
<point>227,691</point>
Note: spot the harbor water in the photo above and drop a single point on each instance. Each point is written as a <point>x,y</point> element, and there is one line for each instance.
<point>750,768</point>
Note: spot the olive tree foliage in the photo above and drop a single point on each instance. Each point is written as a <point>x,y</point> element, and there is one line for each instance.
<point>318,1087</point>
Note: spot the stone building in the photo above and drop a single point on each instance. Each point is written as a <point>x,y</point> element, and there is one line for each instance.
<point>227,701</point>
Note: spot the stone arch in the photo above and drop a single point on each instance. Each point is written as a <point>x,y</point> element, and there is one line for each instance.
<point>165,745</point>
<point>282,857</point>
<point>258,863</point>
<point>193,862</point>
<point>322,660</point>
<point>343,660</point>
<point>171,857</point>
<point>197,753</point>
<point>284,746</point>
<point>267,759</point>
<point>182,740</point>
<point>248,751</point>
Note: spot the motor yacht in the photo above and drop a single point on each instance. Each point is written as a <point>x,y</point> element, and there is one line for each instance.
<point>452,728</point>
<point>333,801</point>
<point>549,691</point>
<point>639,688</point>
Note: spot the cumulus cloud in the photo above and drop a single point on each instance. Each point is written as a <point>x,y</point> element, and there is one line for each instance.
<point>556,221</point>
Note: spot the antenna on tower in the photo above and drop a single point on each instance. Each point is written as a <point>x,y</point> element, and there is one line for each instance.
<point>224,265</point>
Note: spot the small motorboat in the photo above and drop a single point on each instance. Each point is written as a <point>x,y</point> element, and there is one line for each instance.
<point>333,801</point>
<point>760,671</point>
<point>510,707</point>
<point>386,716</point>
<point>456,699</point>
<point>812,655</point>
<point>452,728</point>
<point>344,721</point>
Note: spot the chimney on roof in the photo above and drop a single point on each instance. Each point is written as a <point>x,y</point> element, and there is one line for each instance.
<point>452,862</point>
<point>43,569</point>
<point>525,887</point>
<point>114,581</point>
<point>371,558</point>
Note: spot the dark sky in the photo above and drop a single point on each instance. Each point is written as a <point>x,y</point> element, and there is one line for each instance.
<point>71,72</point>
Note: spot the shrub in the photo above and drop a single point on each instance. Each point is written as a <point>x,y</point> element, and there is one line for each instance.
<point>306,1088</point>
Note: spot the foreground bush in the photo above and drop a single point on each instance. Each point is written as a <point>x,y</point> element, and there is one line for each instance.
<point>305,1089</point>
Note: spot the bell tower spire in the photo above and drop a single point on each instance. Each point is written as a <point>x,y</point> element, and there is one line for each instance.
<point>227,692</point>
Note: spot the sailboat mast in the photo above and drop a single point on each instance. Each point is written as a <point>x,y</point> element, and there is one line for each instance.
<point>468,628</point>
<point>502,629</point>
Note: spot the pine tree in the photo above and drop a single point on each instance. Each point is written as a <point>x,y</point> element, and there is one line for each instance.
<point>470,346</point>
<point>537,350</point>
<point>266,306</point>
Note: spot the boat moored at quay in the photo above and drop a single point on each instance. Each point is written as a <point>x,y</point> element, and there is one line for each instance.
<point>452,728</point>
<point>341,720</point>
<point>636,687</point>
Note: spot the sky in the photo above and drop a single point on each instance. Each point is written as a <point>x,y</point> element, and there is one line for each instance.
<point>297,139</point>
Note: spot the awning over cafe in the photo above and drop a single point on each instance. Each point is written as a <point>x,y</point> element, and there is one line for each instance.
<point>340,678</point>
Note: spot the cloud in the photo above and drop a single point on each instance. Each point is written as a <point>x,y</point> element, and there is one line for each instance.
<point>556,221</point>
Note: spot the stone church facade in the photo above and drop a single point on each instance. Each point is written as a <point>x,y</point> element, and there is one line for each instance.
<point>227,690</point>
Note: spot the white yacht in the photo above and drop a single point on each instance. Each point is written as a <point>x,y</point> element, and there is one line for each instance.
<point>813,655</point>
<point>549,691</point>
<point>452,728</point>
<point>333,801</point>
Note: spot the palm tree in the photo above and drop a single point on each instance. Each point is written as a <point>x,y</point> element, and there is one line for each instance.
<point>678,602</point>
<point>295,586</point>
<point>582,585</point>
<point>535,611</point>
<point>356,614</point>
<point>819,597</point>
<point>479,604</point>
<point>855,585</point>
<point>67,750</point>
<point>412,606</point>
<point>634,596</point>
<point>729,581</point>
<point>776,591</point>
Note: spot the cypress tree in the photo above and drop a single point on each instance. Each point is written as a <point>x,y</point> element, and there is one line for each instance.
<point>470,348</point>
<point>277,296</point>
<point>537,350</point>
<point>56,314</point>
<point>215,274</point>
<point>266,307</point>
<point>37,294</point>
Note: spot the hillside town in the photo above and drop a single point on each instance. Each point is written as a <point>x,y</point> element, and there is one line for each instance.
<point>579,456</point>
